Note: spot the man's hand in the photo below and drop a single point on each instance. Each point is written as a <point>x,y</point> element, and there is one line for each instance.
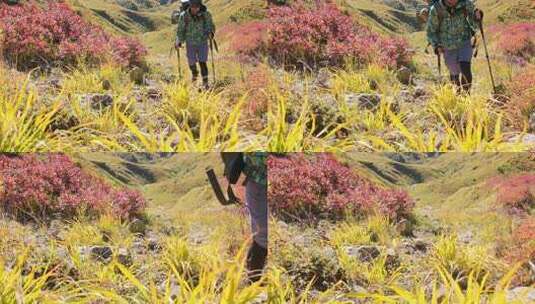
<point>478,15</point>
<point>439,50</point>
<point>178,45</point>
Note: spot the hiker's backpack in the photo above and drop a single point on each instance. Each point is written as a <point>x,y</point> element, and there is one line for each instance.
<point>175,15</point>
<point>423,14</point>
<point>442,11</point>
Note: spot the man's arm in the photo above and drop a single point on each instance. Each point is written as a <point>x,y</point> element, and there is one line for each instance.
<point>181,29</point>
<point>210,26</point>
<point>432,28</point>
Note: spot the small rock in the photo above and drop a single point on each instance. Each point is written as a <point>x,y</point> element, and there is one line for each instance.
<point>404,75</point>
<point>363,253</point>
<point>419,91</point>
<point>124,257</point>
<point>366,101</point>
<point>392,261</point>
<point>106,84</point>
<point>521,294</point>
<point>100,101</point>
<point>101,253</point>
<point>420,245</point>
<point>154,245</point>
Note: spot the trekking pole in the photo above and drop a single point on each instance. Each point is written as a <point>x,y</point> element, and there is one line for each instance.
<point>179,65</point>
<point>487,55</point>
<point>439,63</point>
<point>212,55</point>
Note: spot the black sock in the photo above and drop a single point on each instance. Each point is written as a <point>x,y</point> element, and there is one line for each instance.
<point>466,76</point>
<point>204,71</point>
<point>194,72</point>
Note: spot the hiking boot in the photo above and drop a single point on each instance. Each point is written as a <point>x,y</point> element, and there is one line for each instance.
<point>256,261</point>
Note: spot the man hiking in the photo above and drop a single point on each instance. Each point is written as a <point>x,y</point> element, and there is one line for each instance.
<point>450,28</point>
<point>195,27</point>
<point>255,170</point>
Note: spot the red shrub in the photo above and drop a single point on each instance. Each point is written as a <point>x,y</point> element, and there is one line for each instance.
<point>44,186</point>
<point>319,186</point>
<point>523,238</point>
<point>248,40</point>
<point>517,193</point>
<point>517,40</point>
<point>127,51</point>
<point>319,35</point>
<point>521,103</point>
<point>31,35</point>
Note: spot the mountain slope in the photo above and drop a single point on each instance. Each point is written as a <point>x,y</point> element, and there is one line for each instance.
<point>450,188</point>
<point>151,18</point>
